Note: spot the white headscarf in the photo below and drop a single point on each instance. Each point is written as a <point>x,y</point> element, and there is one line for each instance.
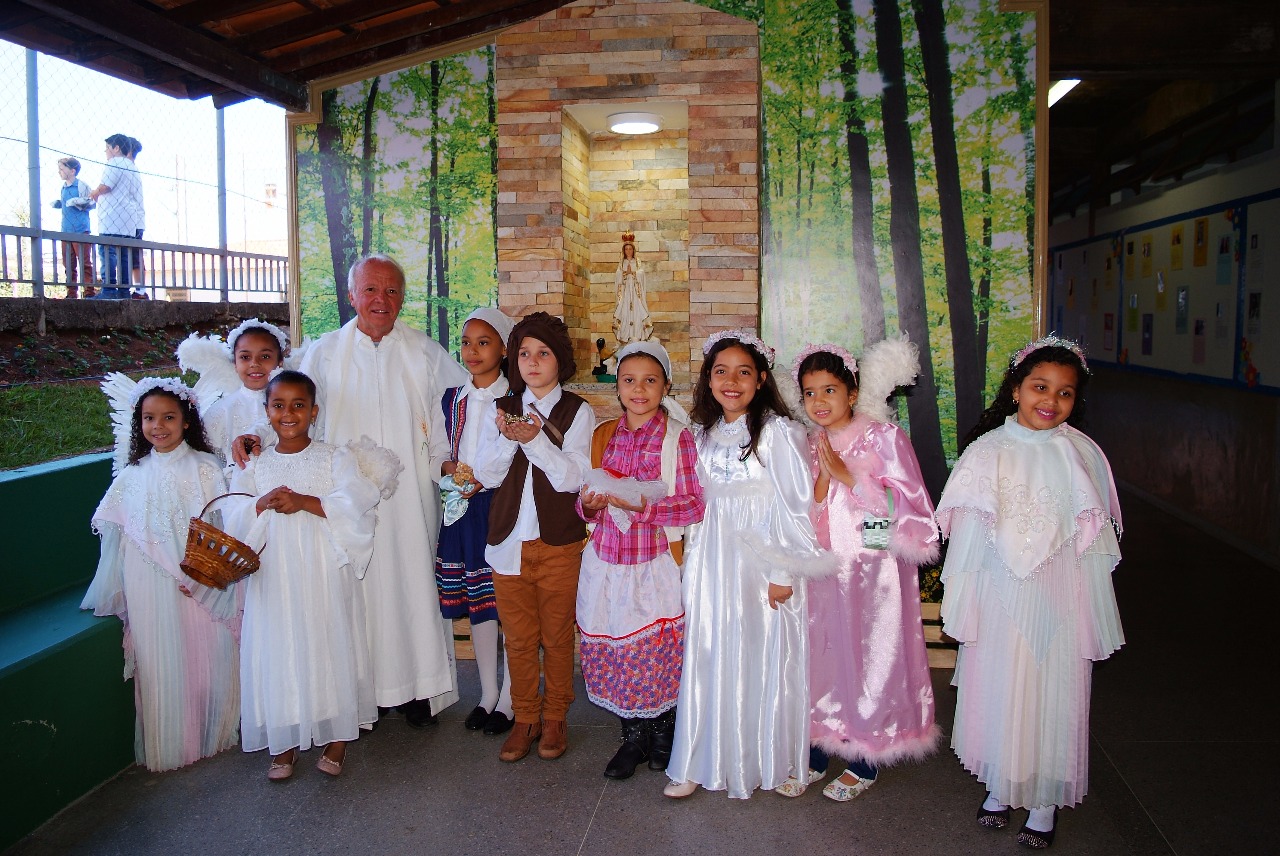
<point>495,318</point>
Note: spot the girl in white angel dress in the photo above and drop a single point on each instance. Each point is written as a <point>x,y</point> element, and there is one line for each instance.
<point>179,636</point>
<point>1033,518</point>
<point>744,687</point>
<point>233,378</point>
<point>304,676</point>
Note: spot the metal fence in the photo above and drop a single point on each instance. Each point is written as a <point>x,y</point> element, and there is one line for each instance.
<point>32,264</point>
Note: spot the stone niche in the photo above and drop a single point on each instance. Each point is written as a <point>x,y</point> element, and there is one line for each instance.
<point>568,188</point>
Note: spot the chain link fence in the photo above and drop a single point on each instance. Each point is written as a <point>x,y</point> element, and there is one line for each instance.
<point>177,255</point>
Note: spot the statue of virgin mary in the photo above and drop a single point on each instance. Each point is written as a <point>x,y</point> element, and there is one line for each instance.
<point>631,317</point>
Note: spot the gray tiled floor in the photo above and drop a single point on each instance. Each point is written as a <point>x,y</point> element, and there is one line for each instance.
<point>1180,761</point>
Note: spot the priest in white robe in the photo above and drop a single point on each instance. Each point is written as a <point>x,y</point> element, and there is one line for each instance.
<point>381,378</point>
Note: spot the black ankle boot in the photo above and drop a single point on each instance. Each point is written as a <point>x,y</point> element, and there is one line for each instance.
<point>664,734</point>
<point>633,752</point>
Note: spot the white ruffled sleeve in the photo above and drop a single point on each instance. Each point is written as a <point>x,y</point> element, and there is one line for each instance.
<point>967,553</point>
<point>1100,632</point>
<point>792,550</point>
<point>350,510</point>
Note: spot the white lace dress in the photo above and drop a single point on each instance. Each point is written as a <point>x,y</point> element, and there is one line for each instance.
<point>305,676</point>
<point>742,717</point>
<point>1032,517</point>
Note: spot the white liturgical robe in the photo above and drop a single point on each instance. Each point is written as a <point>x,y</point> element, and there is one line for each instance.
<point>390,391</point>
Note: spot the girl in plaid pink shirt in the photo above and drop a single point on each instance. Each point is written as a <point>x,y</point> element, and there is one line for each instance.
<point>629,604</point>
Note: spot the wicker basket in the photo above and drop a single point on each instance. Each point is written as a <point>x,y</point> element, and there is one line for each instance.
<point>213,557</point>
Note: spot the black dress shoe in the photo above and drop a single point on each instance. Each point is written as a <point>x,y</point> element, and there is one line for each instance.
<point>418,713</point>
<point>993,819</point>
<point>1035,839</point>
<point>476,719</point>
<point>498,723</point>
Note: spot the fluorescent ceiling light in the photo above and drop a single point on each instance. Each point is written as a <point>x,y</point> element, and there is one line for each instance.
<point>1059,89</point>
<point>634,123</point>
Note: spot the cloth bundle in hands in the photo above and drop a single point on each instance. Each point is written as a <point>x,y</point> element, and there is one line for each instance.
<point>629,490</point>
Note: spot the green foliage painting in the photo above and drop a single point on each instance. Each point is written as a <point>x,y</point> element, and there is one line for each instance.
<point>896,195</point>
<point>403,163</point>
<point>898,140</point>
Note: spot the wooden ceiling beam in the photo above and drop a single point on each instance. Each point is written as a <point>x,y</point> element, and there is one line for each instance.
<point>1164,39</point>
<point>428,30</point>
<point>202,11</point>
<point>305,26</point>
<point>152,34</point>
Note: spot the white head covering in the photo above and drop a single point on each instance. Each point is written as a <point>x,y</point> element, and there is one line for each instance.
<point>652,348</point>
<point>495,318</point>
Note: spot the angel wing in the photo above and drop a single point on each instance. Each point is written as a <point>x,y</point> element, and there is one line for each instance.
<point>118,388</point>
<point>885,366</point>
<point>208,357</point>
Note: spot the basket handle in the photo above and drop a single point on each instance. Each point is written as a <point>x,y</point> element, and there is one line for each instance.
<point>223,496</point>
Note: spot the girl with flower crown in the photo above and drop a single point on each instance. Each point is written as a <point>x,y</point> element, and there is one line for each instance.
<point>744,691</point>
<point>869,684</point>
<point>180,638</point>
<point>1033,520</point>
<point>233,379</point>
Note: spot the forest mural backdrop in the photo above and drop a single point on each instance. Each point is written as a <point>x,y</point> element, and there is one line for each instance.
<point>897,192</point>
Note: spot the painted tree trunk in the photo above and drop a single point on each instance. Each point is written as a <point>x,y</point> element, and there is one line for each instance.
<point>436,230</point>
<point>367,159</point>
<point>861,209</point>
<point>335,182</point>
<point>931,25</point>
<point>904,236</point>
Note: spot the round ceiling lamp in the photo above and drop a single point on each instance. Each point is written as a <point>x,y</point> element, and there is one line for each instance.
<point>634,123</point>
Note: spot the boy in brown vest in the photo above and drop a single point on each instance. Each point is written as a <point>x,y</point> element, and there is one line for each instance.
<point>538,452</point>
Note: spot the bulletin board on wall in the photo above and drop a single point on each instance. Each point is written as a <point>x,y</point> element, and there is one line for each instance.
<point>1192,294</point>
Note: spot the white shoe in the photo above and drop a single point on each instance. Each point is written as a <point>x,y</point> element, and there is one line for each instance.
<point>793,787</point>
<point>842,792</point>
<point>679,790</point>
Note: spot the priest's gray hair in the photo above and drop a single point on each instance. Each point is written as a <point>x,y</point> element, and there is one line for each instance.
<point>372,257</point>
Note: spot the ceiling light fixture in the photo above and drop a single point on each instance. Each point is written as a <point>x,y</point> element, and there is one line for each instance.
<point>634,123</point>
<point>1059,89</point>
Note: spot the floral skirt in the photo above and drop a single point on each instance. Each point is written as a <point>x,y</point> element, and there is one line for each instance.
<point>632,622</point>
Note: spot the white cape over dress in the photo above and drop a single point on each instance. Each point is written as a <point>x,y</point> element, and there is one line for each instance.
<point>1033,520</point>
<point>390,391</point>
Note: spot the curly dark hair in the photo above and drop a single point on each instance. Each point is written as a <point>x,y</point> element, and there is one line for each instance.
<point>1004,405</point>
<point>707,411</point>
<point>825,361</point>
<point>140,446</point>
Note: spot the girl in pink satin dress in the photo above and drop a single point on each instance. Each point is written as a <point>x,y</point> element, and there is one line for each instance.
<point>872,699</point>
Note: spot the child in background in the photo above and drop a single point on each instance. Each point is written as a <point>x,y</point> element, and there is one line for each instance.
<point>536,448</point>
<point>629,603</point>
<point>1033,518</point>
<point>179,636</point>
<point>463,576</point>
<point>304,676</point>
<point>233,377</point>
<point>872,698</point>
<point>75,204</point>
<point>744,689</point>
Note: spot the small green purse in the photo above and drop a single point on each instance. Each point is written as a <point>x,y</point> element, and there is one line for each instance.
<point>875,530</point>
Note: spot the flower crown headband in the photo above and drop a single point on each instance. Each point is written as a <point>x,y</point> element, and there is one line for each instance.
<point>168,384</point>
<point>255,324</point>
<point>845,357</point>
<point>1051,341</point>
<point>746,337</point>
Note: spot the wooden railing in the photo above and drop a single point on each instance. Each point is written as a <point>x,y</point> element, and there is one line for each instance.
<point>31,262</point>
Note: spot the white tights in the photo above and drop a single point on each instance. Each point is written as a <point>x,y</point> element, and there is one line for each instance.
<point>485,640</point>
